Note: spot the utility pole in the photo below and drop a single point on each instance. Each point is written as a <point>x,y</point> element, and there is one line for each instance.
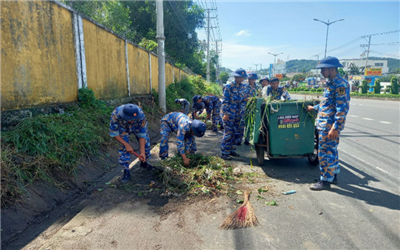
<point>217,66</point>
<point>274,60</point>
<point>208,42</point>
<point>161,55</point>
<point>367,45</point>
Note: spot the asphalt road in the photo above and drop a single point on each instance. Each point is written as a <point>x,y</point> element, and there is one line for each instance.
<point>361,212</point>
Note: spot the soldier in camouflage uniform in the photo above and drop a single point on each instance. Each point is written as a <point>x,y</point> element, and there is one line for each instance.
<point>126,120</point>
<point>250,90</point>
<point>331,118</point>
<point>231,104</point>
<point>185,104</point>
<point>184,129</point>
<point>275,91</point>
<point>212,104</point>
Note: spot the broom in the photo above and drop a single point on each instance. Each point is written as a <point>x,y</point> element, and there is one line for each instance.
<point>243,216</point>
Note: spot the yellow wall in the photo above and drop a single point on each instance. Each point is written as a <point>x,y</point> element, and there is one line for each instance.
<point>176,74</point>
<point>37,55</point>
<point>154,72</point>
<point>105,62</point>
<point>139,72</point>
<point>168,74</point>
<point>183,75</point>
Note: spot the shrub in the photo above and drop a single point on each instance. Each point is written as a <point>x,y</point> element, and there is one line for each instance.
<point>320,89</point>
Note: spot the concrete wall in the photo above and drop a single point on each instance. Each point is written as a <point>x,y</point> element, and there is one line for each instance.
<point>168,74</point>
<point>37,55</point>
<point>176,74</point>
<point>105,62</point>
<point>49,51</point>
<point>154,72</point>
<point>139,70</point>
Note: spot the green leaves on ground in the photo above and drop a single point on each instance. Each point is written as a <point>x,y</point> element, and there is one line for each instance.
<point>272,203</point>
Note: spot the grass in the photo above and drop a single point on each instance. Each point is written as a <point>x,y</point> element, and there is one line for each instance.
<point>48,147</point>
<point>187,88</point>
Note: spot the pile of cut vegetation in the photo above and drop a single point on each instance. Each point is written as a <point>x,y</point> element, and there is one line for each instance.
<point>204,175</point>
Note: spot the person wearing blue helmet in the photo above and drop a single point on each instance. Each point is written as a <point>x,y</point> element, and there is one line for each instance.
<point>274,91</point>
<point>250,90</point>
<point>185,104</point>
<point>332,112</point>
<point>264,82</point>
<point>126,120</point>
<point>185,130</point>
<point>231,104</point>
<point>212,104</point>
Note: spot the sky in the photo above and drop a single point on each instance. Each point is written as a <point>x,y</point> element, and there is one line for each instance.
<point>251,29</point>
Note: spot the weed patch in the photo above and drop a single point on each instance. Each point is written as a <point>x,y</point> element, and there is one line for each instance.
<point>46,147</point>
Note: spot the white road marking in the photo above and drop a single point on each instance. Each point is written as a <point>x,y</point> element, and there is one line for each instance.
<point>357,174</point>
<point>382,170</point>
<point>385,122</point>
<point>368,119</point>
<point>354,115</point>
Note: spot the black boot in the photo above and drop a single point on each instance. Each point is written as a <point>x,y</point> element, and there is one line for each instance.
<point>233,153</point>
<point>127,176</point>
<point>335,181</point>
<point>225,157</point>
<point>321,185</point>
<point>246,142</point>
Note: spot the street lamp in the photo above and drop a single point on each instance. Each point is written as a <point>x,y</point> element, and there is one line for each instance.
<point>275,59</point>
<point>327,29</point>
<point>256,66</point>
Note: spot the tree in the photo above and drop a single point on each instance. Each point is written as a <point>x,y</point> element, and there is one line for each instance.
<point>111,14</point>
<point>224,76</point>
<point>341,72</point>
<point>181,19</point>
<point>354,70</point>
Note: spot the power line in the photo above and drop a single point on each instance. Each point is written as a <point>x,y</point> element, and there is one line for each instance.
<point>382,33</point>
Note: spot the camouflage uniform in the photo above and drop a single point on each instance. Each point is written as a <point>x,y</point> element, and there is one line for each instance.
<point>185,104</point>
<point>276,94</point>
<point>231,104</point>
<point>248,92</point>
<point>123,128</point>
<point>332,112</point>
<point>212,104</point>
<point>180,124</point>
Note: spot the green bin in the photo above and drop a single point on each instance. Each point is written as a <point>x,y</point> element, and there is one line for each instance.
<point>291,129</point>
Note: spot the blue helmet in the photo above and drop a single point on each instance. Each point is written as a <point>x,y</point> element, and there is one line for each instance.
<point>176,100</point>
<point>196,98</point>
<point>274,79</point>
<point>329,62</point>
<point>240,73</point>
<point>130,112</point>
<point>252,76</point>
<point>198,128</point>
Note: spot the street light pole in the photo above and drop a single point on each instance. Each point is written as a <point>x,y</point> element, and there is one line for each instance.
<point>327,30</point>
<point>274,59</point>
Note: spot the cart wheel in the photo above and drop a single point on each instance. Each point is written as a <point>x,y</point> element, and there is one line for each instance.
<point>313,159</point>
<point>260,151</point>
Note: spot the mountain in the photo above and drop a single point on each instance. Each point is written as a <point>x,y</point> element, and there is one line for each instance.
<point>300,65</point>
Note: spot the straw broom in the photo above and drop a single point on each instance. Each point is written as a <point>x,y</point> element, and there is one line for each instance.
<point>243,216</point>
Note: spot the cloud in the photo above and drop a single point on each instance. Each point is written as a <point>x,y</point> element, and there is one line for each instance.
<point>243,33</point>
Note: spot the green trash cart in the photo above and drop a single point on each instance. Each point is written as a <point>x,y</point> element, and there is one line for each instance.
<point>285,130</point>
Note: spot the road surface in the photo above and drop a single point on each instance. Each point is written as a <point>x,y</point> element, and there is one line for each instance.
<point>361,212</point>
